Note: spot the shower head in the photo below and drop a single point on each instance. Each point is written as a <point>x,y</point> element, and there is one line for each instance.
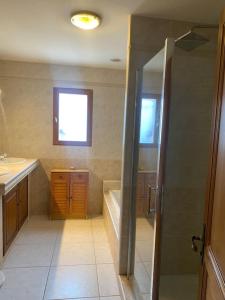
<point>190,40</point>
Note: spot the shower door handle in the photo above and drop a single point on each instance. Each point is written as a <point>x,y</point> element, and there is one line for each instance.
<point>201,240</point>
<point>150,189</point>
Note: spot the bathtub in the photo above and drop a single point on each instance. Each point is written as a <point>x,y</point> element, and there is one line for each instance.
<point>116,200</point>
<point>111,212</point>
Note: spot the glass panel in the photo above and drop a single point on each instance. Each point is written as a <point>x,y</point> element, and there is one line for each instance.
<point>147,172</point>
<point>148,120</point>
<point>73,117</point>
<point>186,170</point>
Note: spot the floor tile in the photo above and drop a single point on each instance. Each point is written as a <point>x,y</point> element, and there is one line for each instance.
<point>74,254</point>
<point>107,279</point>
<point>146,297</point>
<point>142,278</point>
<point>98,223</point>
<point>24,283</point>
<point>103,253</point>
<point>100,234</point>
<point>137,257</point>
<point>145,250</point>
<point>73,224</point>
<point>142,222</point>
<point>144,233</point>
<point>43,222</point>
<point>29,256</point>
<point>75,235</point>
<point>72,282</point>
<point>36,236</point>
<point>148,268</point>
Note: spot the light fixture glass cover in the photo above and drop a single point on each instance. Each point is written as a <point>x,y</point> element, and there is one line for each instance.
<point>85,20</point>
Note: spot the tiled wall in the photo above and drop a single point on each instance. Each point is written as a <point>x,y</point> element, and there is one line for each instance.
<point>27,101</point>
<point>27,131</point>
<point>193,79</point>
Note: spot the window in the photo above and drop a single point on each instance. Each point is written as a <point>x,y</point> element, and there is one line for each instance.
<point>72,116</point>
<point>149,120</point>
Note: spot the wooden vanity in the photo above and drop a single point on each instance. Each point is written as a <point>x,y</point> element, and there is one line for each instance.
<point>15,212</point>
<point>14,197</point>
<point>69,194</point>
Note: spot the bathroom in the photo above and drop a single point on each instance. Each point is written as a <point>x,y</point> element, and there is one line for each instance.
<point>116,211</point>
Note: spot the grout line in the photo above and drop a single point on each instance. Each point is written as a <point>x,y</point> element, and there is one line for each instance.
<point>96,271</point>
<point>54,248</point>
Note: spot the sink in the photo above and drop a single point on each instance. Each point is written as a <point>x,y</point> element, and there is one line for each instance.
<point>3,171</point>
<point>12,161</point>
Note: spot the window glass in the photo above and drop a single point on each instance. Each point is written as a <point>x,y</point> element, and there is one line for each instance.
<point>148,121</point>
<point>73,117</point>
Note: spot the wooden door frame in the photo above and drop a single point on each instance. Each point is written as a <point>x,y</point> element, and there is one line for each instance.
<point>208,255</point>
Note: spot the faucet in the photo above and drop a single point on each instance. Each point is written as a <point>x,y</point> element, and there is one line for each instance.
<point>3,156</point>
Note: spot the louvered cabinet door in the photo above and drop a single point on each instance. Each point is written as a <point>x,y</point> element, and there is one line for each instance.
<point>10,220</point>
<point>60,195</point>
<point>78,195</point>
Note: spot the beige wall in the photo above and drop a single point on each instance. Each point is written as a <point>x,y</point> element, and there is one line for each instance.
<point>27,102</point>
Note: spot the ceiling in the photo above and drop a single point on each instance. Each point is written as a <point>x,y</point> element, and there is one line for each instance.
<point>40,30</point>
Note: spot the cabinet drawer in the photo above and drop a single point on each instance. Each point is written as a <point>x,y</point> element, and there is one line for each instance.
<point>79,177</point>
<point>60,177</point>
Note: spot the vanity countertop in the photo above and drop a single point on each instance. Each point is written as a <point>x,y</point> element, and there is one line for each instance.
<point>16,173</point>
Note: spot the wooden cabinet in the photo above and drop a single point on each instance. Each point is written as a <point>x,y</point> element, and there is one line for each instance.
<point>145,180</point>
<point>15,212</point>
<point>69,194</point>
<point>22,201</point>
<point>10,225</point>
<point>60,199</point>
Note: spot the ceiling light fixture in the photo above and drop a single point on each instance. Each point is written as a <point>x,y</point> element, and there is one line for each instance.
<point>85,20</point>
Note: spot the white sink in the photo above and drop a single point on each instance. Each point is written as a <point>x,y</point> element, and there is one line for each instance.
<point>12,161</point>
<point>3,171</point>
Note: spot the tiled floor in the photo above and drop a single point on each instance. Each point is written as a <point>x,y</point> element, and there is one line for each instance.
<point>143,257</point>
<point>172,287</point>
<point>60,260</point>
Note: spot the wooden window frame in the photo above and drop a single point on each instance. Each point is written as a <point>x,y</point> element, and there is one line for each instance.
<point>56,92</point>
<point>156,133</point>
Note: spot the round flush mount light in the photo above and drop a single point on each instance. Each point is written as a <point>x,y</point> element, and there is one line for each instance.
<point>85,20</point>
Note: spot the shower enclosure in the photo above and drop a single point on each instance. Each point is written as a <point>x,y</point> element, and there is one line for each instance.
<point>174,93</point>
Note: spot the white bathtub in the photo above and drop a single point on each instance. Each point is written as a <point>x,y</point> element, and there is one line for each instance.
<point>116,201</point>
<point>111,211</point>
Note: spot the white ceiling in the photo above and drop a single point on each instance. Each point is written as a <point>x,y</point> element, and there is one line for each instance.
<point>40,30</point>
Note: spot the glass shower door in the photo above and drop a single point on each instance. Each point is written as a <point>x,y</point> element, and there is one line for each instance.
<point>152,139</point>
<point>186,169</point>
<point>169,206</point>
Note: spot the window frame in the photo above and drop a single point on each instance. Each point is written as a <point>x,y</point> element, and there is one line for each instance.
<point>156,133</point>
<point>89,93</point>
